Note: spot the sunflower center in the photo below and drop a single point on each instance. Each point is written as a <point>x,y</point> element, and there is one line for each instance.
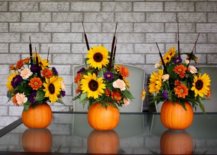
<point>93,85</point>
<point>98,57</point>
<point>51,88</point>
<point>199,84</point>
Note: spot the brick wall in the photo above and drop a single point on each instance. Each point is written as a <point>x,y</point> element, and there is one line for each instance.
<point>57,24</point>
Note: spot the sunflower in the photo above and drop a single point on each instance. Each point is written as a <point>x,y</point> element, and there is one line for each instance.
<point>169,54</point>
<point>52,88</point>
<point>97,57</point>
<point>156,81</point>
<point>10,78</point>
<point>42,62</point>
<point>93,86</point>
<point>201,85</point>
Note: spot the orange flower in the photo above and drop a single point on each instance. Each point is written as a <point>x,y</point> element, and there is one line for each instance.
<point>47,73</point>
<point>14,100</point>
<point>78,78</point>
<point>123,71</point>
<point>107,92</point>
<point>208,94</point>
<point>35,83</point>
<point>26,60</point>
<point>180,70</point>
<point>177,82</point>
<point>12,67</point>
<point>78,90</point>
<point>19,64</point>
<point>116,96</point>
<point>181,91</point>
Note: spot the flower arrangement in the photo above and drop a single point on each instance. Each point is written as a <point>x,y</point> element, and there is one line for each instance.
<point>97,82</point>
<point>32,81</point>
<point>177,80</point>
<point>102,81</point>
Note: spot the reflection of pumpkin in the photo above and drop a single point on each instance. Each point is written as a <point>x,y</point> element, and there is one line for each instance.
<point>37,140</point>
<point>172,142</point>
<point>39,116</point>
<point>174,116</point>
<point>103,142</point>
<point>103,118</point>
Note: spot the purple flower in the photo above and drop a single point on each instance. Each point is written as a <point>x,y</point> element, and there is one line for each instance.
<point>178,60</point>
<point>165,94</point>
<point>81,70</point>
<point>54,71</point>
<point>63,93</point>
<point>16,81</point>
<point>35,69</point>
<point>108,75</point>
<point>31,97</point>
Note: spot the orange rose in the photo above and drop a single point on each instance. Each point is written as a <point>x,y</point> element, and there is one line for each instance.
<point>78,90</point>
<point>12,67</point>
<point>177,82</point>
<point>107,92</point>
<point>19,64</point>
<point>116,96</point>
<point>123,71</point>
<point>78,78</point>
<point>14,100</point>
<point>26,60</point>
<point>47,73</point>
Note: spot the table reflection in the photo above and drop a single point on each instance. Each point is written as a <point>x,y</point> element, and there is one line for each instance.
<point>135,134</point>
<point>176,142</point>
<point>103,142</point>
<point>37,140</point>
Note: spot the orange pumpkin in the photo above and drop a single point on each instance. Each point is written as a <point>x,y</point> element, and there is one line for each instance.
<point>39,116</point>
<point>37,140</point>
<point>172,142</point>
<point>174,116</point>
<point>103,118</point>
<point>103,142</point>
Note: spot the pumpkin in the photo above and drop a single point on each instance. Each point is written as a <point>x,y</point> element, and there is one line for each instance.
<point>103,142</point>
<point>39,116</point>
<point>103,118</point>
<point>174,116</point>
<point>37,140</point>
<point>172,142</point>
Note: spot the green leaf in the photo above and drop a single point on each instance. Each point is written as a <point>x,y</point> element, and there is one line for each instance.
<point>60,101</point>
<point>201,106</point>
<point>40,95</point>
<point>100,73</point>
<point>127,94</point>
<point>26,105</point>
<point>83,97</point>
<point>76,97</point>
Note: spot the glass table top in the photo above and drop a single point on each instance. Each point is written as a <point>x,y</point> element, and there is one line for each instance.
<point>137,133</point>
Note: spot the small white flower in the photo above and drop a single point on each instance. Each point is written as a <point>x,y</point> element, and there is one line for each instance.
<point>192,69</point>
<point>25,73</point>
<point>157,65</point>
<point>165,77</point>
<point>119,84</point>
<point>187,61</point>
<point>63,86</point>
<point>126,102</point>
